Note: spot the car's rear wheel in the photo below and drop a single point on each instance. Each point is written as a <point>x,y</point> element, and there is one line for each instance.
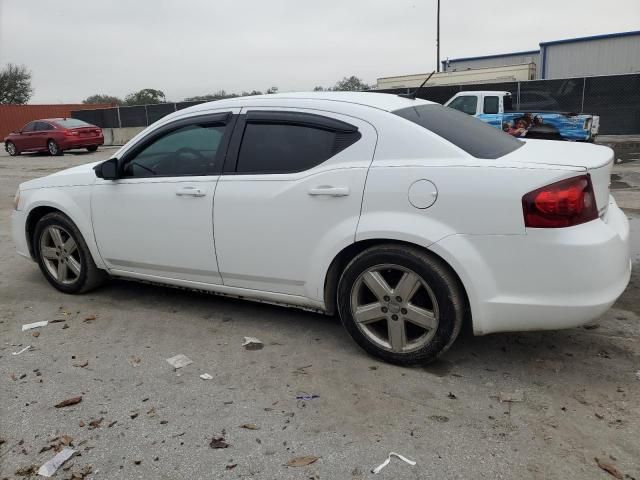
<point>53,148</point>
<point>401,304</point>
<point>63,256</point>
<point>11,149</point>
<point>92,149</point>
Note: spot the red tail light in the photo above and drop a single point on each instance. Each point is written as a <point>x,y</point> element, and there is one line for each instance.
<point>562,204</point>
<point>71,133</point>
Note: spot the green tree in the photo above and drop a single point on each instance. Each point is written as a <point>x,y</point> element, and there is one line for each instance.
<point>318,89</point>
<point>146,96</point>
<point>102,98</point>
<point>351,84</point>
<point>272,90</point>
<point>15,84</point>
<point>219,95</point>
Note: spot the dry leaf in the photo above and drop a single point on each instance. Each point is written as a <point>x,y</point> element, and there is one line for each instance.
<point>231,466</point>
<point>81,364</point>
<point>218,442</point>
<point>302,461</point>
<point>90,318</point>
<point>66,440</point>
<point>95,423</point>
<point>81,424</point>
<point>36,334</point>
<point>250,426</point>
<point>609,468</point>
<point>68,402</point>
<point>135,361</point>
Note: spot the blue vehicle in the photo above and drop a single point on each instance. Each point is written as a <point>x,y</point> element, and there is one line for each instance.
<point>496,109</point>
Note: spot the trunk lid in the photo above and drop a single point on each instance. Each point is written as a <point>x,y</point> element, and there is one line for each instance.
<point>596,160</point>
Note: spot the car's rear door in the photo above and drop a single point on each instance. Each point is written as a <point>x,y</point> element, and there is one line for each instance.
<point>157,219</point>
<point>289,196</point>
<point>44,131</point>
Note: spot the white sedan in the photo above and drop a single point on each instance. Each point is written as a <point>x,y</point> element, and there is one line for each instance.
<point>407,218</point>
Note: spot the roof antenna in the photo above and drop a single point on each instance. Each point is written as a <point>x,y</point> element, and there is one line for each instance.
<point>413,94</point>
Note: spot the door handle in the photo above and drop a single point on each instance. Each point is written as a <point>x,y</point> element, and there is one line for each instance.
<point>191,192</point>
<point>329,191</point>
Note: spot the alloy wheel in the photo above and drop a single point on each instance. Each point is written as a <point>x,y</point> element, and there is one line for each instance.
<point>394,308</point>
<point>53,147</point>
<point>60,254</point>
<point>11,148</point>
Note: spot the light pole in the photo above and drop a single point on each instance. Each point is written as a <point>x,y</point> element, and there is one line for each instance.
<point>438,39</point>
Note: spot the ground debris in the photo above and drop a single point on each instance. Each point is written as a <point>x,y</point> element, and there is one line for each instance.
<point>81,364</point>
<point>26,471</point>
<point>206,376</point>
<point>29,326</point>
<point>230,466</point>
<point>21,351</point>
<point>80,474</point>
<point>50,468</point>
<point>609,468</point>
<point>35,334</point>
<point>250,426</point>
<point>179,361</point>
<point>218,442</point>
<point>386,462</point>
<point>135,361</point>
<point>68,402</point>
<point>302,461</point>
<point>96,423</point>
<point>90,318</point>
<point>252,343</point>
<point>452,396</point>
<point>439,418</point>
<point>517,396</point>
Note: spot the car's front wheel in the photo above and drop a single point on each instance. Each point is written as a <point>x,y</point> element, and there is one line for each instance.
<point>11,149</point>
<point>53,148</point>
<point>401,304</point>
<point>63,256</point>
<point>92,149</point>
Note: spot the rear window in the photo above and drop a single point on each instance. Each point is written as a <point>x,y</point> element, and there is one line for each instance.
<point>72,123</point>
<point>468,133</point>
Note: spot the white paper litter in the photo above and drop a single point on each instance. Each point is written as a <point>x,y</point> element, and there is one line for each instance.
<point>179,361</point>
<point>386,462</point>
<point>206,376</point>
<point>21,351</point>
<point>29,326</point>
<point>50,468</point>
<point>252,343</point>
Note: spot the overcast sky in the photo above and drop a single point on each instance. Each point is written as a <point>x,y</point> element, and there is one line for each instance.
<point>76,48</point>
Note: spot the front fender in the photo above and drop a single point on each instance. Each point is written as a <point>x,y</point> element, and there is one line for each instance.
<point>75,203</point>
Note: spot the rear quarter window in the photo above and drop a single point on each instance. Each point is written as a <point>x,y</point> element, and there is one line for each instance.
<point>468,133</point>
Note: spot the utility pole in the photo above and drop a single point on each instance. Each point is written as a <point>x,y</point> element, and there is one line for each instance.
<point>438,39</point>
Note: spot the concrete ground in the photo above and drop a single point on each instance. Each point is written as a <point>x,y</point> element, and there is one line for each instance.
<point>576,392</point>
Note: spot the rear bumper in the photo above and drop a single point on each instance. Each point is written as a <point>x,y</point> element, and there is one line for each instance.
<point>81,142</point>
<point>544,280</point>
<point>19,232</point>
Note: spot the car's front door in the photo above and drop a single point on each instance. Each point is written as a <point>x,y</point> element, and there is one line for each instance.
<point>155,221</point>
<point>26,140</point>
<point>290,194</point>
<point>41,135</point>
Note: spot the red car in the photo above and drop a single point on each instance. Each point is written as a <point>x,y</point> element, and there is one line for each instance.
<point>54,135</point>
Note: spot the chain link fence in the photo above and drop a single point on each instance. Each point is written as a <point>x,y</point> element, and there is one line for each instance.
<point>615,98</point>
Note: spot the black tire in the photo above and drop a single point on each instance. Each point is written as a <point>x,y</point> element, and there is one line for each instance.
<point>89,277</point>
<point>92,149</point>
<point>53,148</point>
<point>442,282</point>
<point>11,149</point>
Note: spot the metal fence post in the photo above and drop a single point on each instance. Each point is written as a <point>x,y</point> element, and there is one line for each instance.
<point>146,115</point>
<point>518,98</point>
<point>119,120</point>
<point>175,107</point>
<point>584,86</point>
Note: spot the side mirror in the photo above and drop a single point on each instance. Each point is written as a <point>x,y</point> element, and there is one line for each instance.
<point>107,170</point>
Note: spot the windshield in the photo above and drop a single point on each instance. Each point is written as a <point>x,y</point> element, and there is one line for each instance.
<point>470,134</point>
<point>72,123</point>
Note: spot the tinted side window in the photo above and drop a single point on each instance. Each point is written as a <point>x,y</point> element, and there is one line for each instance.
<point>465,104</point>
<point>41,126</point>
<point>468,133</point>
<point>190,150</point>
<point>29,127</point>
<point>491,105</point>
<point>287,148</point>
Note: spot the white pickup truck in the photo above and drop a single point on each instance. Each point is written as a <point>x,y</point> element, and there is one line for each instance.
<point>496,109</point>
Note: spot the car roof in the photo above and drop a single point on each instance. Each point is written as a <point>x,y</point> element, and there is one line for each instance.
<point>381,101</point>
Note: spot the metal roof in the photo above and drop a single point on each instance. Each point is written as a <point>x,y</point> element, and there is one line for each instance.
<point>593,37</point>
<point>497,55</point>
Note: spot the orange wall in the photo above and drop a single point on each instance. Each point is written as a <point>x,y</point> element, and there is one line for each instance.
<point>13,117</point>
